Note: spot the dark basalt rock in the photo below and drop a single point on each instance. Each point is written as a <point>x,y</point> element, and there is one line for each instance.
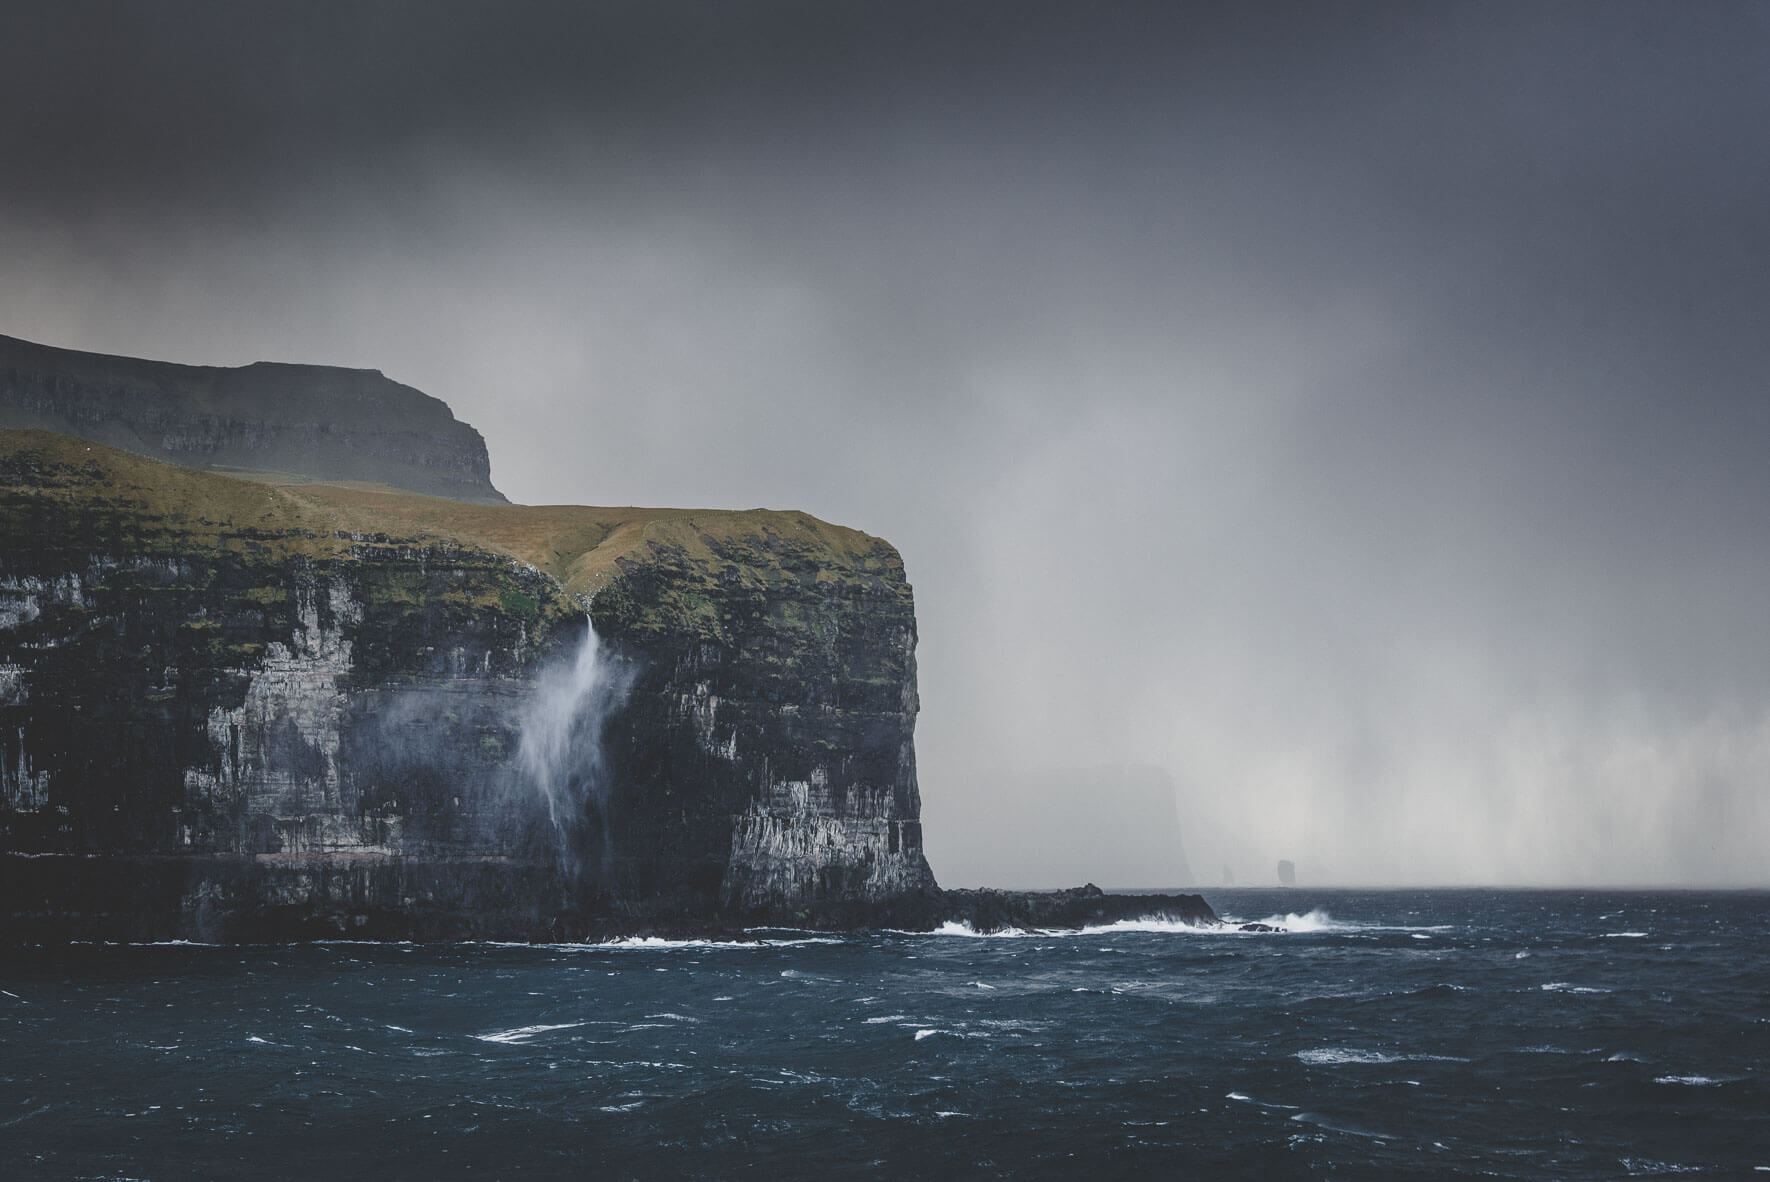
<point>238,712</point>
<point>1084,906</point>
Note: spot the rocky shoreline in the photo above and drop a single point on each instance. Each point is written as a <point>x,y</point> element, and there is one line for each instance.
<point>56,899</point>
<point>989,910</point>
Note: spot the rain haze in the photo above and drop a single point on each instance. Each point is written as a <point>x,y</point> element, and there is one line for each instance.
<point>1347,421</point>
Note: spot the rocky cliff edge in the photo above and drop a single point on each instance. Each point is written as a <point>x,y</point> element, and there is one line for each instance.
<point>308,422</point>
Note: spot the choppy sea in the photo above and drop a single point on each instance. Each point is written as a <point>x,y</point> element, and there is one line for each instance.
<point>1437,1034</point>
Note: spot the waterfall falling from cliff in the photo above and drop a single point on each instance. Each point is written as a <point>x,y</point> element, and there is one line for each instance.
<point>559,749</point>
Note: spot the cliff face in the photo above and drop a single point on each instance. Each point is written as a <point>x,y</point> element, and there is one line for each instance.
<point>306,421</point>
<point>237,711</point>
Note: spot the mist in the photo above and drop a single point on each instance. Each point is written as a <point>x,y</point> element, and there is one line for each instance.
<point>560,754</point>
<point>1355,414</point>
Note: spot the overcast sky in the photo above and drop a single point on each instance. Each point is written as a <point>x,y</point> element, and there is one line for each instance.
<point>1357,411</point>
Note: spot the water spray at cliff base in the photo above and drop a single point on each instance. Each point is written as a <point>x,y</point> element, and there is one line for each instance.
<point>559,751</point>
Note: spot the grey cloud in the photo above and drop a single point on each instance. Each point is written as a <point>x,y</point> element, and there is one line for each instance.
<point>1355,410</point>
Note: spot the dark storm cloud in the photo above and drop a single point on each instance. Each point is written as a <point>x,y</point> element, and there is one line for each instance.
<point>1357,410</point>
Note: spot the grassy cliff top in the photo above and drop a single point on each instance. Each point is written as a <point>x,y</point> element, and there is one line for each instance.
<point>582,548</point>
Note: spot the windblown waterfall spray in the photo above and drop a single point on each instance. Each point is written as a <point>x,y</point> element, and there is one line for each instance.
<point>559,750</point>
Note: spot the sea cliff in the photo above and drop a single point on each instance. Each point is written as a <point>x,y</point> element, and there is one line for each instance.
<point>239,711</point>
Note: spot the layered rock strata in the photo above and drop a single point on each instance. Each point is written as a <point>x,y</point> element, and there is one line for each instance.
<point>237,711</point>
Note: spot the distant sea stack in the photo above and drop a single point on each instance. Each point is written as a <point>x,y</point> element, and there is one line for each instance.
<point>289,421</point>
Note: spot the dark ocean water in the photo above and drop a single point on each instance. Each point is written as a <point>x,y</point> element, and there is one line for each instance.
<point>1389,1035</point>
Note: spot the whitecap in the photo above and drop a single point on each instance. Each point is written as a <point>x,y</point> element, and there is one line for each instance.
<point>1625,935</point>
<point>1648,1166</point>
<point>1243,1097</point>
<point>1690,1081</point>
<point>1314,920</point>
<point>1569,987</point>
<point>1332,1056</point>
<point>524,1033</point>
<point>1157,924</point>
<point>958,927</point>
<point>1148,923</point>
<point>1335,1126</point>
<point>659,942</point>
<point>925,1033</point>
<point>883,1020</point>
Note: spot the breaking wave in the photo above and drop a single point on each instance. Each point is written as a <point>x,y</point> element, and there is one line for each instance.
<point>1150,923</point>
<point>1333,1056</point>
<point>524,1033</point>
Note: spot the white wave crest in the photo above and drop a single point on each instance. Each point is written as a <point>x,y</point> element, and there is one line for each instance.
<point>524,1033</point>
<point>1314,920</point>
<point>1649,1167</point>
<point>1570,987</point>
<point>958,927</point>
<point>1330,1056</point>
<point>657,942</point>
<point>1149,923</point>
